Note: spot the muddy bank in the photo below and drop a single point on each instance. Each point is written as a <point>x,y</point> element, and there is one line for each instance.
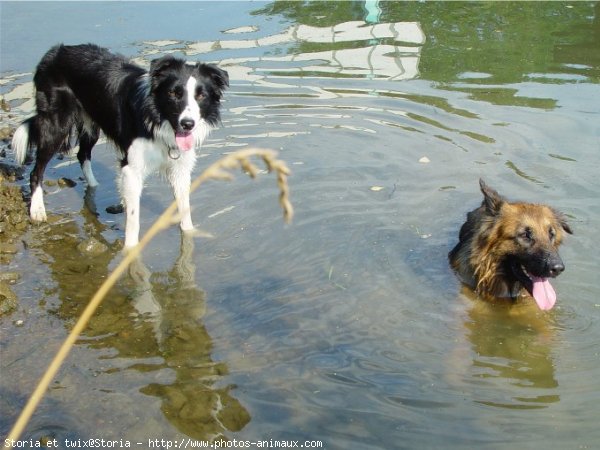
<point>13,220</point>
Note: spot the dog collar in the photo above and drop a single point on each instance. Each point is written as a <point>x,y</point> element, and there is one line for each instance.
<point>172,152</point>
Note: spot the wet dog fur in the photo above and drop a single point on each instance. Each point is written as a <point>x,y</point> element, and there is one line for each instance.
<point>506,248</point>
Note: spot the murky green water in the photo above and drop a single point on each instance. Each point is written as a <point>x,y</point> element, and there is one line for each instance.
<point>347,326</point>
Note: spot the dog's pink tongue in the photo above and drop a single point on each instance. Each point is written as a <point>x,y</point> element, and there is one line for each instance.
<point>185,141</point>
<point>543,293</point>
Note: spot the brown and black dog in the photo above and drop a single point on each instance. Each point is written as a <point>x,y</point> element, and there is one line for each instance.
<point>505,247</point>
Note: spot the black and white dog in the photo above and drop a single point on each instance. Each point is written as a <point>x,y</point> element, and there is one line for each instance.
<point>155,118</point>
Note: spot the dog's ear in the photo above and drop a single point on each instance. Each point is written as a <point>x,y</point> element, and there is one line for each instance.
<point>159,66</point>
<point>562,220</point>
<point>491,199</point>
<point>218,76</point>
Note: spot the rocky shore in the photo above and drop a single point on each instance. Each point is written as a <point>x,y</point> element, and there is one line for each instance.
<point>14,220</point>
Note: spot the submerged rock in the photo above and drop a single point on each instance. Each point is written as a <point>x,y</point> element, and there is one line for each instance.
<point>92,247</point>
<point>4,105</point>
<point>8,299</point>
<point>13,212</point>
<point>9,172</point>
<point>13,221</point>
<point>8,248</point>
<point>66,182</point>
<point>115,209</point>
<point>6,133</point>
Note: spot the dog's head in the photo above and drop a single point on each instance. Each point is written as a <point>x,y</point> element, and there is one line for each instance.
<point>188,97</point>
<point>524,238</point>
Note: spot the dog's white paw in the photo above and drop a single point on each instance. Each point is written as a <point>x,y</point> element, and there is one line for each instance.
<point>37,211</point>
<point>186,226</point>
<point>38,214</point>
<point>89,174</point>
<point>196,233</point>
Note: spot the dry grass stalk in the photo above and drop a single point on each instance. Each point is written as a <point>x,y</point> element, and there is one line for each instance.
<point>216,171</point>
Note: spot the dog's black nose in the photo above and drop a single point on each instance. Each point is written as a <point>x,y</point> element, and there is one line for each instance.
<point>556,269</point>
<point>187,124</point>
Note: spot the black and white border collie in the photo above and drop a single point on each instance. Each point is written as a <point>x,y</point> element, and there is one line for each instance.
<point>155,118</point>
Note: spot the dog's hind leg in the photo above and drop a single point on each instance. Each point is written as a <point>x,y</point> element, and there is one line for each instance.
<point>40,131</point>
<point>88,136</point>
<point>37,210</point>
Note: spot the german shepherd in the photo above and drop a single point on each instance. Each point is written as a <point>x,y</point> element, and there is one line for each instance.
<point>505,247</point>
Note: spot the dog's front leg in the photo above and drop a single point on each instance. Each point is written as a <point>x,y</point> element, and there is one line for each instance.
<point>180,182</point>
<point>131,192</point>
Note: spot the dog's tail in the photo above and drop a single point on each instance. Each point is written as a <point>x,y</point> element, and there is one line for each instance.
<point>23,139</point>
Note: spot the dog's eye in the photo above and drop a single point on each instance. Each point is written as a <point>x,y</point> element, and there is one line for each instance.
<point>199,94</point>
<point>526,235</point>
<point>176,93</point>
<point>552,233</point>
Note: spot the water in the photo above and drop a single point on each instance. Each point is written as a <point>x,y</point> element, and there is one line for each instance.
<point>347,326</point>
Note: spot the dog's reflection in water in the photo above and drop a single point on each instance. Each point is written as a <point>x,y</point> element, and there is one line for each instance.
<point>148,336</point>
<point>503,356</point>
<point>176,307</point>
